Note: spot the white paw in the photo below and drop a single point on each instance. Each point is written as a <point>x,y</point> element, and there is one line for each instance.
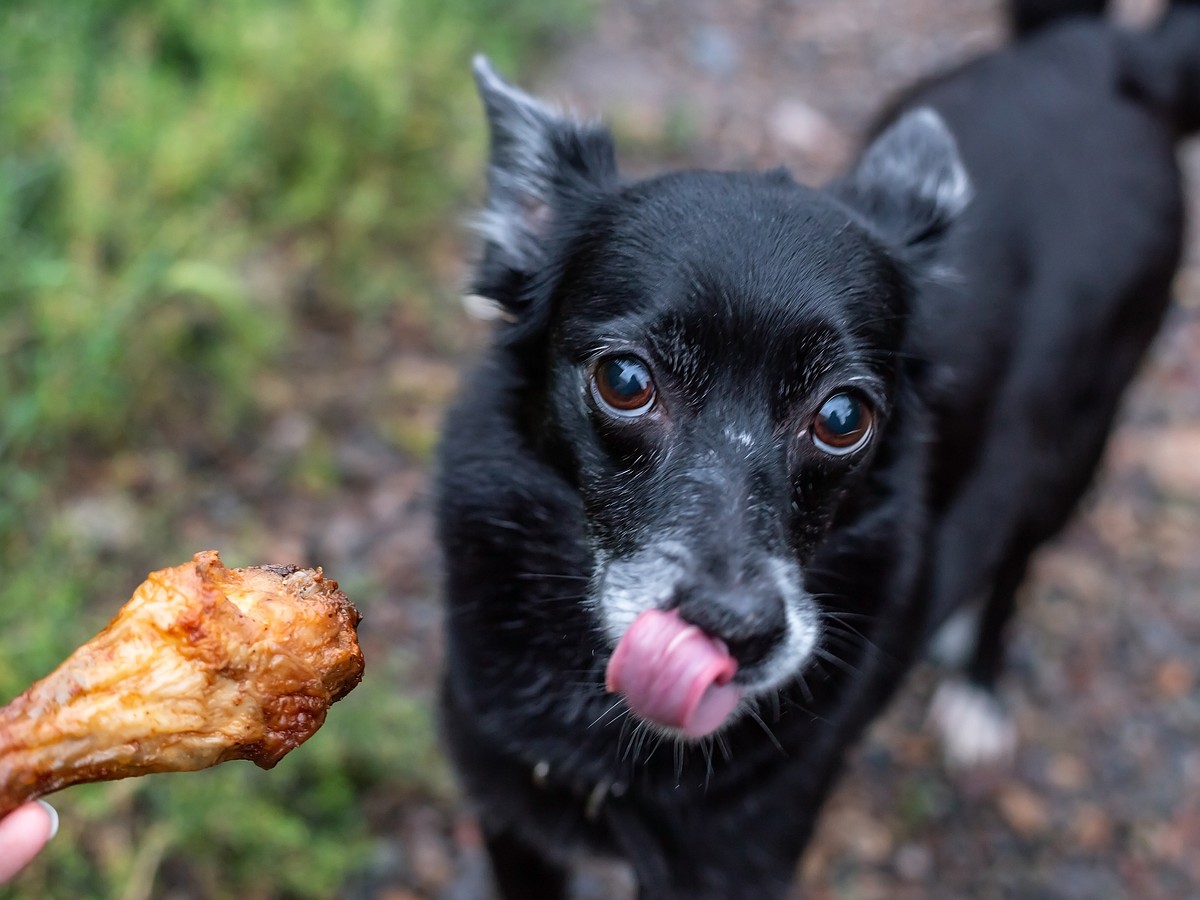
<point>952,644</point>
<point>973,726</point>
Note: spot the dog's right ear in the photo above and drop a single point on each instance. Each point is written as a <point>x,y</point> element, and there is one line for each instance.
<point>910,183</point>
<point>539,160</point>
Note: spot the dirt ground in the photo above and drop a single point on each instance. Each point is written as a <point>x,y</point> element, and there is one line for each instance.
<point>1103,800</point>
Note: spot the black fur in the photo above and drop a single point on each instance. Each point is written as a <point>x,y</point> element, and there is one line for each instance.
<point>1029,16</point>
<point>991,329</point>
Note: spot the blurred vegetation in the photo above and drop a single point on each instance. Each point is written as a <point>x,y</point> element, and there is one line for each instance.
<point>184,188</point>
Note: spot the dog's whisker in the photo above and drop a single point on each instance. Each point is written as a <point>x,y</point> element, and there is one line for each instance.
<point>835,660</point>
<point>754,714</point>
<point>656,738</point>
<point>846,635</point>
<point>627,739</point>
<point>803,709</point>
<point>563,598</point>
<point>626,723</point>
<point>635,739</point>
<point>723,745</point>
<point>623,714</point>
<point>706,748</point>
<point>538,576</point>
<point>805,690</point>
<point>773,699</point>
<point>847,617</point>
<point>614,705</point>
<point>642,733</point>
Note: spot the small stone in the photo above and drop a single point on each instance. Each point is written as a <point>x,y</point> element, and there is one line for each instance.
<point>1167,843</point>
<point>1067,772</point>
<point>107,522</point>
<point>1023,810</point>
<point>1169,455</point>
<point>797,126</point>
<point>913,862</point>
<point>291,432</point>
<point>868,840</point>
<point>432,865</point>
<point>1174,679</point>
<point>1092,828</point>
<point>714,51</point>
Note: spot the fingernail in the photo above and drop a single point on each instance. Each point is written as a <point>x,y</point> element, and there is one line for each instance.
<point>53,813</point>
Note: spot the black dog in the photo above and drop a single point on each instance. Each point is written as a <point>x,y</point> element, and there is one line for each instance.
<point>742,445</point>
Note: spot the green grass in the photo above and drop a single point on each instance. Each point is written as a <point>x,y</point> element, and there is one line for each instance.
<point>163,160</point>
<point>238,832</point>
<point>185,187</point>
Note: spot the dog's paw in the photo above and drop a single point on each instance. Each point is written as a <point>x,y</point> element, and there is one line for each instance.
<point>974,728</point>
<point>952,644</point>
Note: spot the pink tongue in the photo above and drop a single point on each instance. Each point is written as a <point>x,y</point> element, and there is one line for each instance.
<point>674,674</point>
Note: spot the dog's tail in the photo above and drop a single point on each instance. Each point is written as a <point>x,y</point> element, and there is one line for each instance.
<point>1161,65</point>
<point>1028,16</point>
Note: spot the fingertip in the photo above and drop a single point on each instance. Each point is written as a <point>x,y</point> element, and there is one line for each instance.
<point>53,814</point>
<point>22,837</point>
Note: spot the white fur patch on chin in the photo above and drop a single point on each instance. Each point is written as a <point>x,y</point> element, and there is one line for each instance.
<point>974,728</point>
<point>623,589</point>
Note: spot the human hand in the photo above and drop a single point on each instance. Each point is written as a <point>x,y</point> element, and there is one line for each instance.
<point>23,833</point>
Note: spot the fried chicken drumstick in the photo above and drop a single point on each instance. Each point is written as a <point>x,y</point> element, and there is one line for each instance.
<point>204,664</point>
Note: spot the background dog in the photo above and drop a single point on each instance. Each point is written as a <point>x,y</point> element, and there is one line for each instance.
<point>743,445</point>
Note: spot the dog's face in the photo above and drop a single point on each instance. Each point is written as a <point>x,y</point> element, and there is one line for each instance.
<point>720,387</point>
<point>717,365</point>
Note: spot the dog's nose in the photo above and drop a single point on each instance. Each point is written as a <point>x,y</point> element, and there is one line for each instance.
<point>750,621</point>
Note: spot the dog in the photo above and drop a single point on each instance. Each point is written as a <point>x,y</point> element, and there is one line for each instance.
<point>741,447</point>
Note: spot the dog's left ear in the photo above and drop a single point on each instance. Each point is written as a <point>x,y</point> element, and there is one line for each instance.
<point>910,183</point>
<point>539,161</point>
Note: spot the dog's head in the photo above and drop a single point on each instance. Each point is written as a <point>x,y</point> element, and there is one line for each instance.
<point>713,362</point>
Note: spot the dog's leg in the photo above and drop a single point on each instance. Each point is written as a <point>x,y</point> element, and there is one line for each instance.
<point>953,642</point>
<point>522,872</point>
<point>1018,496</point>
<point>972,722</point>
<point>1040,451</point>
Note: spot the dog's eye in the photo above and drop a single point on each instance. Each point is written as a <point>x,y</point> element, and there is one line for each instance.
<point>622,386</point>
<point>842,425</point>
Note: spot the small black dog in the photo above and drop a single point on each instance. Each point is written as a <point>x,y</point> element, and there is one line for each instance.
<point>742,446</point>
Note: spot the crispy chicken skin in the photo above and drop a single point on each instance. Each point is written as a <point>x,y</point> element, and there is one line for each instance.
<point>204,664</point>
